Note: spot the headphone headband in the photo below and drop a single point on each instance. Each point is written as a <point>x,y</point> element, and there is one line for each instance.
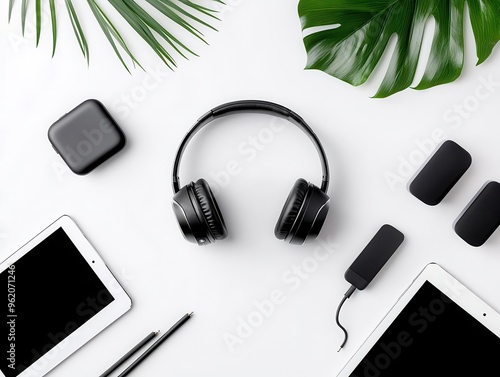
<point>248,106</point>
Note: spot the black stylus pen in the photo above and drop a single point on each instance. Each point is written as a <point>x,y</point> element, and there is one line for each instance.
<point>156,344</point>
<point>129,354</point>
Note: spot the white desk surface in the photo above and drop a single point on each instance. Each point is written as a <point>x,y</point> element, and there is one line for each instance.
<point>124,206</point>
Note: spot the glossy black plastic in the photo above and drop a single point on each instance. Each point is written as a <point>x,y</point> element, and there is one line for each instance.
<point>481,217</point>
<point>196,209</point>
<point>191,218</point>
<point>374,256</point>
<point>443,170</point>
<point>310,218</point>
<point>251,106</point>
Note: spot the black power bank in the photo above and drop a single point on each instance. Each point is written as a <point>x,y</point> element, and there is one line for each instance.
<point>481,217</point>
<point>367,265</point>
<point>443,170</point>
<point>374,256</point>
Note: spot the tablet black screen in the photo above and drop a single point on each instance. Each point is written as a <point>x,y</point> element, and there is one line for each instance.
<point>48,294</point>
<point>432,337</point>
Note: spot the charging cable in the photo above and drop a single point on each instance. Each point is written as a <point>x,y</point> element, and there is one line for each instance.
<point>371,260</point>
<point>347,295</point>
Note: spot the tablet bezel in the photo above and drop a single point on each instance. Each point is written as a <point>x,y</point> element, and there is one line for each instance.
<point>447,284</point>
<point>121,304</point>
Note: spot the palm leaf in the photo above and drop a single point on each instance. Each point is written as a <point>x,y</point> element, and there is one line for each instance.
<point>11,5</point>
<point>143,24</point>
<point>77,28</point>
<point>38,13</point>
<point>189,15</point>
<point>175,13</point>
<point>207,11</point>
<point>24,10</point>
<point>110,32</point>
<point>54,25</point>
<point>350,37</point>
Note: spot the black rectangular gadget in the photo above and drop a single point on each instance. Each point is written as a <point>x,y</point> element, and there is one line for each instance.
<point>86,136</point>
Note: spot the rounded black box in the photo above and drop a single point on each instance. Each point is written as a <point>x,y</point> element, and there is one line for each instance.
<point>86,137</point>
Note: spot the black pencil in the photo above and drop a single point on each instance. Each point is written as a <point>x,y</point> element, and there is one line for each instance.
<point>129,354</point>
<point>156,344</point>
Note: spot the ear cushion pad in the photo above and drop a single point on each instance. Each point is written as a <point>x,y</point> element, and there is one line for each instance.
<point>210,209</point>
<point>291,209</point>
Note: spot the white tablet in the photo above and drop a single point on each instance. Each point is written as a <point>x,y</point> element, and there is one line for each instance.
<point>58,294</point>
<point>437,328</point>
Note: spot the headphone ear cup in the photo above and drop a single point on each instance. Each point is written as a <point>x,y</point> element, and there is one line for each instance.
<point>198,214</point>
<point>210,210</point>
<point>291,209</point>
<point>304,213</point>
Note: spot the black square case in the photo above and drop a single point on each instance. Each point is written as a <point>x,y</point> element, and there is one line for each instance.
<point>86,137</point>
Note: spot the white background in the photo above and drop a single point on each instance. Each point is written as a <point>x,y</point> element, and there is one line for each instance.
<point>124,206</point>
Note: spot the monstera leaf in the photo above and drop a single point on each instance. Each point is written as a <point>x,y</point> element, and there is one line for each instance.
<point>347,38</point>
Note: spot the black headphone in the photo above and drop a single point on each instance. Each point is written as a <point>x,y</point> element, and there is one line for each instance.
<point>197,211</point>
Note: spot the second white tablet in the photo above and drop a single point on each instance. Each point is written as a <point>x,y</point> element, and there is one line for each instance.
<point>437,328</point>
